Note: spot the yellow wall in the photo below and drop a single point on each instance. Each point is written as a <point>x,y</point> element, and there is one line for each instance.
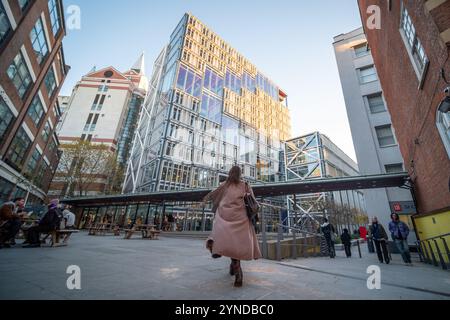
<point>433,226</point>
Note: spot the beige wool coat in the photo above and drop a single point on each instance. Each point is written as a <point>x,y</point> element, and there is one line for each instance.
<point>233,234</point>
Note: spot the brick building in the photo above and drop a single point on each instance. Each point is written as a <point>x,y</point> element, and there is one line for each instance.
<point>104,109</point>
<point>411,55</point>
<point>32,71</point>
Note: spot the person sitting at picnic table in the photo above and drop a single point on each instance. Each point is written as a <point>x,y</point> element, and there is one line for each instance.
<point>49,222</point>
<point>69,218</point>
<point>11,215</point>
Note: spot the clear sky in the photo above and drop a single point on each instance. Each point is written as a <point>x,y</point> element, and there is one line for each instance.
<point>288,40</point>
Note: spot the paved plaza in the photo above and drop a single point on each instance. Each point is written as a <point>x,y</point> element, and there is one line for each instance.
<point>181,269</point>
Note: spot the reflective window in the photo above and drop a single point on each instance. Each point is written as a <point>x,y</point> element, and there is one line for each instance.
<point>376,103</point>
<point>23,4</point>
<point>385,135</point>
<point>211,108</point>
<point>368,74</point>
<point>46,132</point>
<point>19,148</point>
<point>394,168</point>
<point>33,162</point>
<point>361,49</point>
<point>50,82</point>
<point>5,26</point>
<point>189,81</point>
<point>53,8</point>
<point>20,75</point>
<point>413,43</point>
<point>38,41</point>
<point>6,118</point>
<point>36,111</point>
<point>230,130</point>
<point>213,82</point>
<point>443,124</point>
<point>233,82</point>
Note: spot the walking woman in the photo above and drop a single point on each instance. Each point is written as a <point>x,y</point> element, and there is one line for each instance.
<point>233,234</point>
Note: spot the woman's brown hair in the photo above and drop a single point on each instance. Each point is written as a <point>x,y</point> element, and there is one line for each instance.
<point>234,176</point>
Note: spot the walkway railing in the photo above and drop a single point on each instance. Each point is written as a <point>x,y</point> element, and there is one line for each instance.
<point>435,251</point>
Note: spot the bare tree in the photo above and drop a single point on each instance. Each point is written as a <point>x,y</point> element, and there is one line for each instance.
<point>83,164</point>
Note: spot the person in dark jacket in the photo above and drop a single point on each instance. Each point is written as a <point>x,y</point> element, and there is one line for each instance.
<point>11,215</point>
<point>328,232</point>
<point>380,238</point>
<point>347,242</point>
<point>400,232</point>
<point>49,222</point>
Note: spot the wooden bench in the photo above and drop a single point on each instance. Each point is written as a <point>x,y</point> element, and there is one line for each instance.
<point>56,237</point>
<point>148,232</point>
<point>129,233</point>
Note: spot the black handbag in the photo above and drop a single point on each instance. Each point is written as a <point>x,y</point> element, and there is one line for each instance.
<point>251,205</point>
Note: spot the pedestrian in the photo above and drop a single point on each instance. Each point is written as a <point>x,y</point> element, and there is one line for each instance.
<point>329,233</point>
<point>69,218</point>
<point>11,215</point>
<point>233,234</point>
<point>380,238</point>
<point>50,221</point>
<point>172,223</point>
<point>346,240</point>
<point>400,232</point>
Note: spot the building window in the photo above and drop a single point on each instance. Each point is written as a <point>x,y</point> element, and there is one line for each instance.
<point>24,4</point>
<point>19,148</point>
<point>385,136</point>
<point>19,74</point>
<point>376,103</point>
<point>50,82</point>
<point>368,74</point>
<point>443,124</point>
<point>53,8</point>
<point>414,46</point>
<point>394,168</point>
<point>361,50</point>
<point>36,111</point>
<point>6,118</point>
<point>38,41</point>
<point>33,162</point>
<point>5,26</point>
<point>46,132</point>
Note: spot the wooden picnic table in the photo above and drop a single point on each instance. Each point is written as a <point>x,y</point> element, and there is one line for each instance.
<point>148,231</point>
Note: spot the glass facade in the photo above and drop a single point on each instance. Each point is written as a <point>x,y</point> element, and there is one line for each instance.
<point>38,41</point>
<point>207,110</point>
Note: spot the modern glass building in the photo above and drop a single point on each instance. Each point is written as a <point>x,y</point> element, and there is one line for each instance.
<point>208,108</point>
<point>314,157</point>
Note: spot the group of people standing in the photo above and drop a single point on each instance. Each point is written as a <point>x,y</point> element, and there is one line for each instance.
<point>399,233</point>
<point>13,219</point>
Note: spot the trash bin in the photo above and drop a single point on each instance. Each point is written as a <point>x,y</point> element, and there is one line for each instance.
<point>370,245</point>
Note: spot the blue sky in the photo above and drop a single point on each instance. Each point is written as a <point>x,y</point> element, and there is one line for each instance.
<point>288,40</point>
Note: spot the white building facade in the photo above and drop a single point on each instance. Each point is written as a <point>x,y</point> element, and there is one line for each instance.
<point>374,137</point>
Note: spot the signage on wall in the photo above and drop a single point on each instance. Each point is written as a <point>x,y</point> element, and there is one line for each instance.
<point>403,207</point>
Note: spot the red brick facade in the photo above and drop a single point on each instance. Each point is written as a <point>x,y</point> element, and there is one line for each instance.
<point>414,109</point>
<point>18,40</point>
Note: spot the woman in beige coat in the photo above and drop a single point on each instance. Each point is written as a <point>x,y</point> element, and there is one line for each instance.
<point>233,234</point>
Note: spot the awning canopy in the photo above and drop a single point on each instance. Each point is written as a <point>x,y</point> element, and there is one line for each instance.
<point>261,190</point>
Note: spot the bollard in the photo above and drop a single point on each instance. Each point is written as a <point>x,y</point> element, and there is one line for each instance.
<point>441,259</point>
<point>359,249</point>
<point>446,249</point>
<point>294,246</point>
<point>435,263</point>
<point>279,238</point>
